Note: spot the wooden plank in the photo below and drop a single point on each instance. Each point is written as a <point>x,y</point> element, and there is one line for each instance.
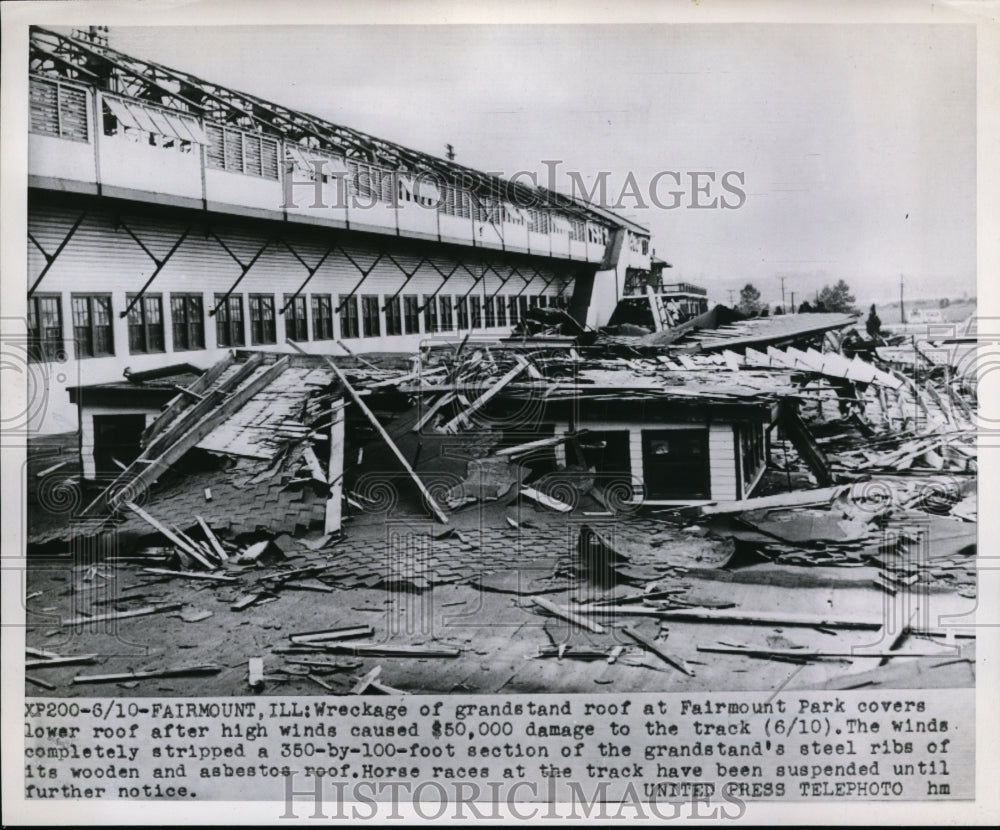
<point>806,654</point>
<point>389,650</point>
<point>441,402</point>
<point>658,650</point>
<point>545,501</point>
<point>711,615</point>
<point>212,539</point>
<point>173,537</point>
<point>542,443</point>
<point>332,634</point>
<point>122,615</point>
<point>60,661</point>
<point>797,498</point>
<point>798,433</point>
<point>568,615</point>
<point>335,473</point>
<point>37,681</point>
<point>313,462</point>
<point>184,671</point>
<point>438,512</point>
<point>190,574</point>
<point>179,403</point>
<point>255,672</point>
<point>362,684</point>
<point>462,419</point>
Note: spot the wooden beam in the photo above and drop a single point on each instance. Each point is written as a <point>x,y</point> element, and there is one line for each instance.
<point>658,650</point>
<point>194,553</point>
<point>569,616</point>
<point>438,512</point>
<point>139,675</point>
<point>212,539</point>
<point>462,419</point>
<point>362,684</point>
<point>335,473</point>
<point>712,615</point>
<point>122,615</point>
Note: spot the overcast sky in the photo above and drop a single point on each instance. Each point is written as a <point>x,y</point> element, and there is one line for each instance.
<point>857,143</point>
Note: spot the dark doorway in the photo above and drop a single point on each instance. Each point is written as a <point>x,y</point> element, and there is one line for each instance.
<point>116,437</point>
<point>675,464</point>
<point>608,454</point>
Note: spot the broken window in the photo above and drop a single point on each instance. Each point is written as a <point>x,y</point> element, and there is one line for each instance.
<point>58,109</point>
<point>229,320</point>
<point>411,313</point>
<point>187,321</point>
<point>296,326</point>
<point>430,314</point>
<point>322,314</point>
<point>348,316</point>
<point>370,315</point>
<point>262,319</point>
<point>145,324</point>
<point>45,327</point>
<point>393,317</point>
<point>447,318</point>
<point>92,325</point>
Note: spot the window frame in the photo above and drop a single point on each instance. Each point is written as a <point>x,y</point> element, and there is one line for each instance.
<point>91,341</point>
<point>371,319</point>
<point>262,326</point>
<point>41,347</point>
<point>296,319</point>
<point>225,321</point>
<point>350,320</point>
<point>411,314</point>
<point>184,302</point>
<point>393,317</point>
<point>140,330</point>
<point>322,325</point>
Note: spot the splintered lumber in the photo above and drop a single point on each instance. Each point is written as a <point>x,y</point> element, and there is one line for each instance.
<point>42,684</point>
<point>184,671</point>
<point>806,654</point>
<point>382,688</point>
<point>433,410</point>
<point>362,684</point>
<point>388,650</point>
<point>190,574</point>
<point>428,497</point>
<point>462,419</point>
<point>332,634</point>
<point>60,661</point>
<point>335,473</point>
<point>570,616</point>
<point>713,615</point>
<point>545,500</point>
<point>658,650</point>
<point>122,615</point>
<point>797,498</point>
<point>37,652</point>
<point>255,672</point>
<point>542,443</point>
<point>212,539</point>
<point>171,535</point>
<point>314,467</point>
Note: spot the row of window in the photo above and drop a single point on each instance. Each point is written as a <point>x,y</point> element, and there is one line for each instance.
<point>359,316</point>
<point>61,110</point>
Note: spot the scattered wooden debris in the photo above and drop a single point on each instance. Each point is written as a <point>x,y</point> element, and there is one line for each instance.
<point>60,661</point>
<point>364,682</point>
<point>658,650</point>
<point>345,633</point>
<point>190,575</point>
<point>255,672</point>
<point>121,615</point>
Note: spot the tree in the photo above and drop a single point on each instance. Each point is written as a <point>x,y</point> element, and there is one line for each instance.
<point>944,302</point>
<point>837,298</point>
<point>749,300</point>
<point>805,308</point>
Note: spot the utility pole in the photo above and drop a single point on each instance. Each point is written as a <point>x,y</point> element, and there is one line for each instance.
<point>902,315</point>
<point>793,302</point>
<point>782,294</point>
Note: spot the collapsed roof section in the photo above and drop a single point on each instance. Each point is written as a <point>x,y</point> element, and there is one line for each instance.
<point>239,448</point>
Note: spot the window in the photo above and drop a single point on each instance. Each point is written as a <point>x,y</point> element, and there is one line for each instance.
<point>512,307</point>
<point>501,310</point>
<point>348,316</point>
<point>296,327</point>
<point>476,308</point>
<point>92,325</point>
<point>456,202</point>
<point>369,316</point>
<point>45,327</point>
<point>430,314</point>
<point>229,320</point>
<point>145,324</point>
<point>522,305</point>
<point>411,313</point>
<point>58,109</point>
<point>538,222</point>
<point>393,316</point>
<point>188,321</point>
<point>533,301</point>
<point>752,448</point>
<point>240,152</point>
<point>462,306</point>
<point>577,230</point>
<point>262,319</point>
<point>322,313</point>
<point>447,319</point>
<point>490,314</point>
<point>371,184</point>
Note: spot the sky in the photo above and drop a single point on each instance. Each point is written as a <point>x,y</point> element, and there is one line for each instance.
<point>855,144</point>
